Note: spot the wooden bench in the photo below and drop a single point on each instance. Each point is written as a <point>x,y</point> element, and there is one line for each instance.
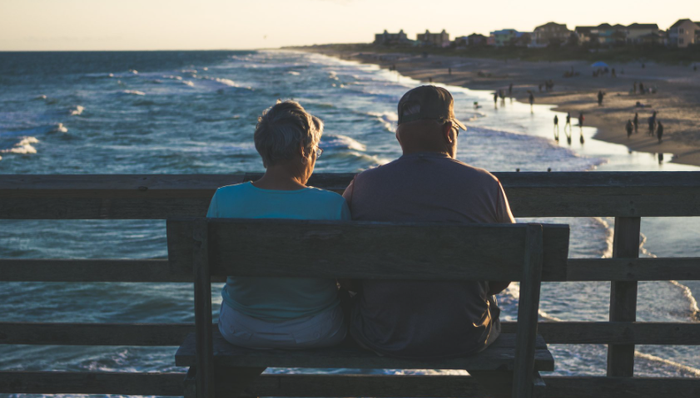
<point>362,250</point>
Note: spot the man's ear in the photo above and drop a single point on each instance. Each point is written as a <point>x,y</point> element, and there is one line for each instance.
<point>447,132</point>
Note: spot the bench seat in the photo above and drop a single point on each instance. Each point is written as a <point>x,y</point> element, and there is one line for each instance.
<point>499,356</point>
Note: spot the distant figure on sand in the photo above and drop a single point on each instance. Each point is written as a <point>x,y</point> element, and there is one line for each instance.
<point>641,88</point>
<point>510,90</point>
<point>629,128</point>
<point>568,121</point>
<point>652,124</point>
<point>580,124</point>
<point>636,122</point>
<point>532,100</point>
<point>601,95</point>
<point>659,131</point>
<point>495,99</point>
<point>556,128</point>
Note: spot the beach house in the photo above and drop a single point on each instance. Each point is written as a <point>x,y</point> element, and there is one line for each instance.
<point>441,39</point>
<point>387,38</point>
<point>683,33</point>
<point>476,39</point>
<point>642,33</point>
<point>503,37</point>
<point>551,33</point>
<point>607,34</point>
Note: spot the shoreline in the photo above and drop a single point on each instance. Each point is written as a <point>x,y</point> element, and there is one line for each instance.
<point>677,97</point>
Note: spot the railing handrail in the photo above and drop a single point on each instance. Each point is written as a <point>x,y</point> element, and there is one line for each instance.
<point>559,194</point>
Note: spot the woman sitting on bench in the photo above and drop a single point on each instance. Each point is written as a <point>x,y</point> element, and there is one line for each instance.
<point>292,313</point>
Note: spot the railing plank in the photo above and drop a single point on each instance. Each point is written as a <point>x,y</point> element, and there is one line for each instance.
<point>565,194</point>
<point>109,270</point>
<point>633,269</point>
<point>173,334</point>
<point>159,384</point>
<point>623,295</point>
<point>312,385</point>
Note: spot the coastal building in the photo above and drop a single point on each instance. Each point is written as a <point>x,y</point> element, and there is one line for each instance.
<point>476,39</point>
<point>683,33</point>
<point>387,38</point>
<point>504,37</point>
<point>441,39</point>
<point>604,34</point>
<point>551,33</point>
<point>642,33</point>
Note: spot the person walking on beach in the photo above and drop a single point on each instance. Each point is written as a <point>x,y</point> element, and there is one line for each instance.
<point>641,88</point>
<point>629,128</point>
<point>510,91</point>
<point>427,319</point>
<point>556,128</point>
<point>495,99</point>
<point>580,125</point>
<point>636,122</point>
<point>568,121</point>
<point>532,101</point>
<point>659,131</point>
<point>601,94</point>
<point>652,124</point>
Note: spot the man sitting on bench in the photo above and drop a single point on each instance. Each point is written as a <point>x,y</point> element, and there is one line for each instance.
<point>427,320</point>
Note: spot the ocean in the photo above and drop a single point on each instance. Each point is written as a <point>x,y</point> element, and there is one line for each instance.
<point>195,112</point>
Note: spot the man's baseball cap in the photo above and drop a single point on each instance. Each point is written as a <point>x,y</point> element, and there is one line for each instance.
<point>428,102</point>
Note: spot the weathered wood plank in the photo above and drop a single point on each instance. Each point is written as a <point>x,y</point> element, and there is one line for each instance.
<point>173,334</point>
<point>367,249</point>
<point>623,295</point>
<point>568,194</point>
<point>311,385</point>
<point>528,305</point>
<point>20,382</point>
<point>206,387</point>
<point>109,270</point>
<point>499,356</point>
<point>126,334</point>
<point>633,269</point>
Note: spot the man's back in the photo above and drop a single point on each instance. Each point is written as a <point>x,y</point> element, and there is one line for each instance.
<point>426,319</point>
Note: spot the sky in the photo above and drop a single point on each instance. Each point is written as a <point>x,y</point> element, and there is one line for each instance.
<point>58,25</point>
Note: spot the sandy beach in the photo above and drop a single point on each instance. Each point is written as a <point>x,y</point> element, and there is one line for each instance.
<point>676,99</point>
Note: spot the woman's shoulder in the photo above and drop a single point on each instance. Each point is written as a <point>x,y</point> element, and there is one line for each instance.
<point>324,195</point>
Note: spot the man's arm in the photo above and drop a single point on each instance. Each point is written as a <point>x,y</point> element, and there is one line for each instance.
<point>504,216</point>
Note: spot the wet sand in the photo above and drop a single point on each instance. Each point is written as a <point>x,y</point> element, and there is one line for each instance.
<point>676,101</point>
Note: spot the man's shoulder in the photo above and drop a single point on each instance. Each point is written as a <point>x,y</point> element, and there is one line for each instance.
<point>456,168</point>
<point>463,169</point>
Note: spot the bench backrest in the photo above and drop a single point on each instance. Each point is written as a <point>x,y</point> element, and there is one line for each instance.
<point>364,250</point>
<point>400,251</point>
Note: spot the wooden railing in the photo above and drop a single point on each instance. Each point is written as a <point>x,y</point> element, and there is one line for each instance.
<point>625,196</point>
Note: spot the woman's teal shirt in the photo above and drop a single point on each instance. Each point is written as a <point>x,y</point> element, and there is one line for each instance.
<point>277,299</point>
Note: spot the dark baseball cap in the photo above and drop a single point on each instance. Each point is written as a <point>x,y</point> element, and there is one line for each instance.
<point>428,102</point>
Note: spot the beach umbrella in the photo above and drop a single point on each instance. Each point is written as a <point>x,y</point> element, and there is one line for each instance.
<point>600,64</point>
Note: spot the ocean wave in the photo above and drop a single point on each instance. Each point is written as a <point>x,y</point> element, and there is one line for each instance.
<point>59,128</point>
<point>388,119</point>
<point>335,141</point>
<point>23,147</point>
<point>293,73</point>
<point>223,81</point>
<point>40,97</point>
<point>188,83</point>
<point>78,110</point>
<point>132,92</point>
<point>173,77</point>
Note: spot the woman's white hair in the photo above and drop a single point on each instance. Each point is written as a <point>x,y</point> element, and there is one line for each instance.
<point>282,129</point>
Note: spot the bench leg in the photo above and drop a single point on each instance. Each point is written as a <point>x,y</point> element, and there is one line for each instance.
<point>232,382</point>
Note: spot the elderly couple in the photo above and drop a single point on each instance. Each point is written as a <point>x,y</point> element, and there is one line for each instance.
<point>394,318</point>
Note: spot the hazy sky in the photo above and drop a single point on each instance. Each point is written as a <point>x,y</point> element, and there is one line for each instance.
<point>245,24</point>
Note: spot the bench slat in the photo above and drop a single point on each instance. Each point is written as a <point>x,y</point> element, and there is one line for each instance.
<point>500,355</point>
<point>365,250</point>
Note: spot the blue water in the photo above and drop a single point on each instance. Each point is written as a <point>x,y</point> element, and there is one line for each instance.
<point>194,112</point>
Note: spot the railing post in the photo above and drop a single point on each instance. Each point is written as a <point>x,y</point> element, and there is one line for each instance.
<point>623,296</point>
